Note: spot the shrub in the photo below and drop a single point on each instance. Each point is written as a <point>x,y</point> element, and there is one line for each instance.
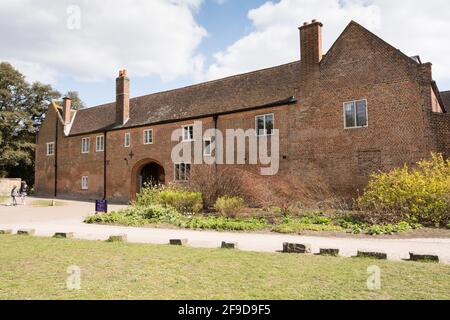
<point>182,200</point>
<point>214,182</point>
<point>136,216</point>
<point>229,206</point>
<point>415,195</point>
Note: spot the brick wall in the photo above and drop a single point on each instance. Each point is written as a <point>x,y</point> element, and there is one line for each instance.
<point>314,145</point>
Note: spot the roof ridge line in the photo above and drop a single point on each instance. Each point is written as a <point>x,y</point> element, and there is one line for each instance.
<point>199,84</point>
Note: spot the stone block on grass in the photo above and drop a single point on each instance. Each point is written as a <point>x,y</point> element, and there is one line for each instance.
<point>118,238</point>
<point>296,248</point>
<point>63,235</point>
<point>26,232</point>
<point>329,252</point>
<point>6,231</point>
<point>229,245</point>
<point>178,242</point>
<point>372,255</point>
<point>423,257</point>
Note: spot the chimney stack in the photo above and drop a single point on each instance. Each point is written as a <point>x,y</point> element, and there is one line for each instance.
<point>67,103</point>
<point>310,48</point>
<point>122,98</point>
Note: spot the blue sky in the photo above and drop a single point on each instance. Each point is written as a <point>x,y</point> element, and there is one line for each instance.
<point>80,45</point>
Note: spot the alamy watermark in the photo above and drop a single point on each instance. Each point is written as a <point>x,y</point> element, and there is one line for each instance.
<point>73,17</point>
<point>73,281</point>
<point>235,147</point>
<point>374,279</point>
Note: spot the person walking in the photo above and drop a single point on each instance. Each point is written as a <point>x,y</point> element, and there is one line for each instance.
<point>14,194</point>
<point>23,191</point>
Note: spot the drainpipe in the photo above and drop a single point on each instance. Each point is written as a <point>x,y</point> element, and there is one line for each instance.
<point>105,163</point>
<point>216,119</point>
<point>56,157</point>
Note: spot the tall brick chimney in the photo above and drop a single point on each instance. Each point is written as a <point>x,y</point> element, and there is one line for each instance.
<point>122,98</point>
<point>310,48</point>
<point>67,103</point>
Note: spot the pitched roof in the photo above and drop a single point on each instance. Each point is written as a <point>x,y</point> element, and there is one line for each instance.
<point>230,94</point>
<point>445,95</point>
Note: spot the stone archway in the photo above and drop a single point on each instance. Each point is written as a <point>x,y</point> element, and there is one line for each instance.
<point>146,172</point>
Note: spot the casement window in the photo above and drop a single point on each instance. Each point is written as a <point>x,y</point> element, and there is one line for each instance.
<point>355,114</point>
<point>264,124</point>
<point>188,133</point>
<point>100,143</point>
<point>85,145</point>
<point>127,140</point>
<point>148,136</point>
<point>50,149</point>
<point>207,147</point>
<point>84,183</point>
<point>182,171</point>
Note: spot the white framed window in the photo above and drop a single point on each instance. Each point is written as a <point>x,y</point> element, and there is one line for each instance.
<point>355,114</point>
<point>50,149</point>
<point>84,183</point>
<point>85,145</point>
<point>148,136</point>
<point>207,144</point>
<point>100,143</point>
<point>264,124</point>
<point>127,140</point>
<point>188,133</point>
<point>182,171</point>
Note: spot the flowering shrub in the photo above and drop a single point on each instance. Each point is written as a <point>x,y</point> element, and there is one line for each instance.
<point>229,206</point>
<point>415,195</point>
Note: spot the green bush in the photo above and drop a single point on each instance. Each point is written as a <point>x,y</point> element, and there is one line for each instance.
<point>416,195</point>
<point>182,200</point>
<point>229,206</point>
<point>137,216</point>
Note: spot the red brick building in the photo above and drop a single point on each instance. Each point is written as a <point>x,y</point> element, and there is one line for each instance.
<point>361,107</point>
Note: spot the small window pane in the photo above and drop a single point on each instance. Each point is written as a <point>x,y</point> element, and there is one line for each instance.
<point>350,120</point>
<point>361,113</point>
<point>188,171</point>
<point>260,125</point>
<point>269,124</point>
<point>127,140</point>
<point>207,147</point>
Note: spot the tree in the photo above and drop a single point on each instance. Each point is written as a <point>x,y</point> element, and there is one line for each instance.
<point>77,103</point>
<point>22,110</point>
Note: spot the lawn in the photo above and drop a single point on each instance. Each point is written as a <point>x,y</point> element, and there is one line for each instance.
<point>36,268</point>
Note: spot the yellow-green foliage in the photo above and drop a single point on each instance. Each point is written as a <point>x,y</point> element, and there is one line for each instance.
<point>420,195</point>
<point>181,200</point>
<point>229,206</point>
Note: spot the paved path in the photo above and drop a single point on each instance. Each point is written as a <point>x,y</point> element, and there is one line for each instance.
<point>46,221</point>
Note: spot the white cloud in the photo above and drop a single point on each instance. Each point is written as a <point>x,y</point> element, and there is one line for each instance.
<point>157,37</point>
<point>412,26</point>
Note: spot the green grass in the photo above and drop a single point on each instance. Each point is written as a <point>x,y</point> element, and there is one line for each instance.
<point>47,203</point>
<point>36,268</point>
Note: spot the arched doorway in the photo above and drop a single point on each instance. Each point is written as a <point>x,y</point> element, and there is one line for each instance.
<point>151,174</point>
<point>146,172</point>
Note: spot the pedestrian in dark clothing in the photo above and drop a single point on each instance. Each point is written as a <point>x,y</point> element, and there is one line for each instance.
<point>23,191</point>
<point>14,194</point>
